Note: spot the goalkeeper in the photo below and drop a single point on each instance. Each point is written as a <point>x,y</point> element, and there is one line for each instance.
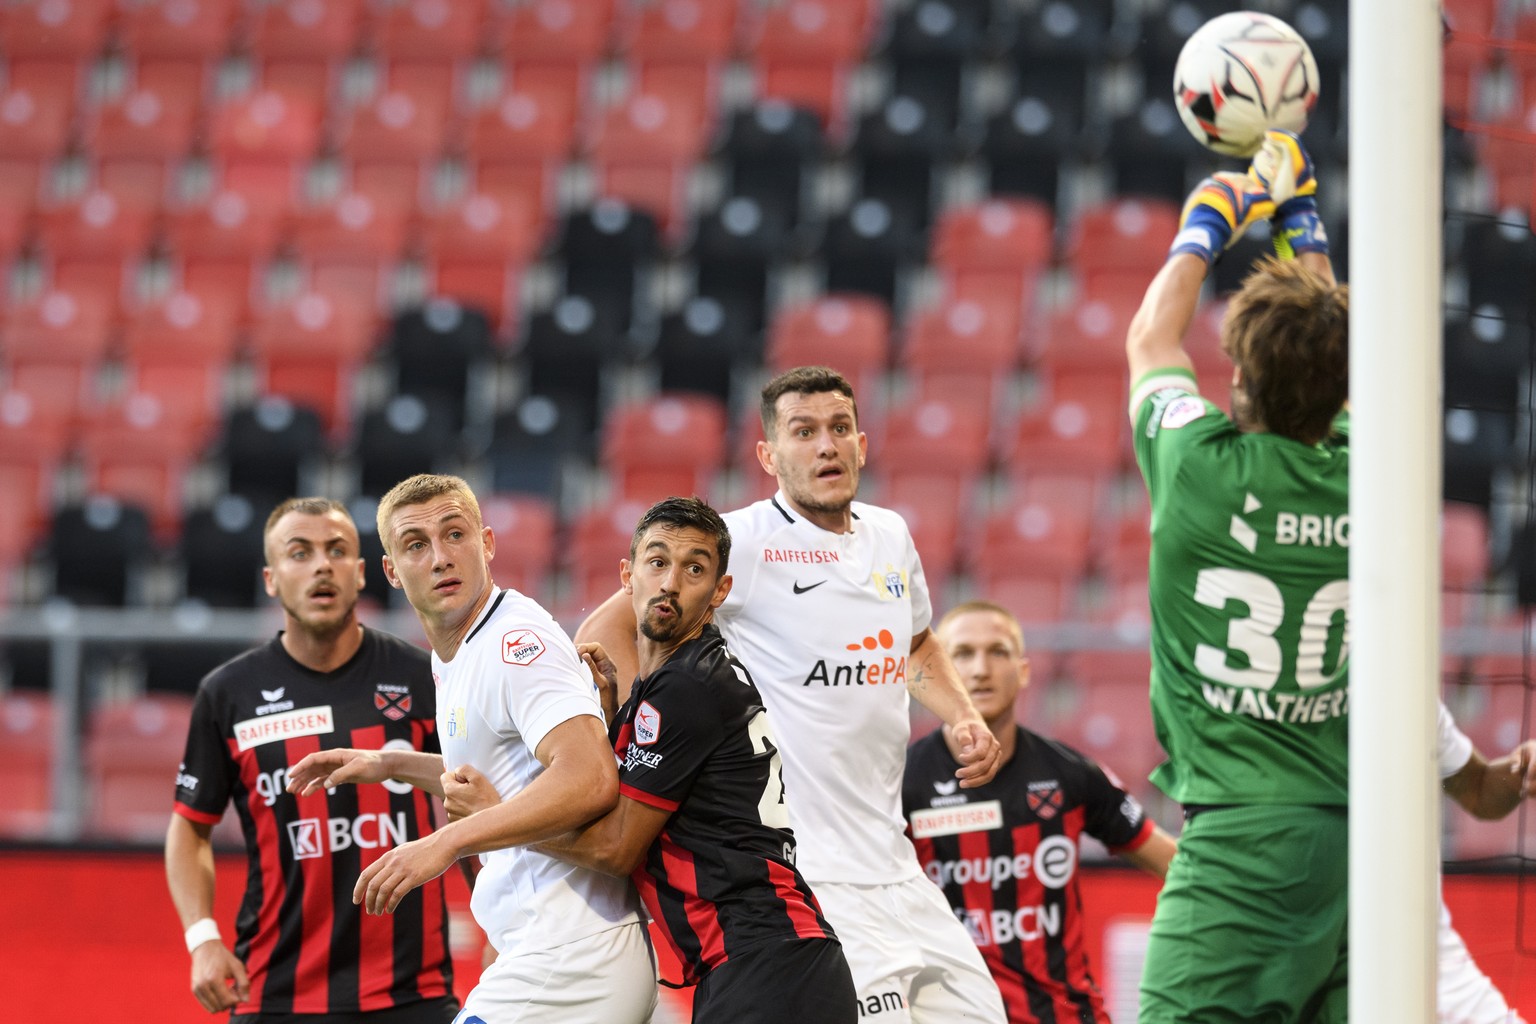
<point>1249,588</point>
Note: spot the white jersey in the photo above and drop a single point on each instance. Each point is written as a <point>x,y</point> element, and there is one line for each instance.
<point>1452,747</point>
<point>515,677</point>
<point>824,622</point>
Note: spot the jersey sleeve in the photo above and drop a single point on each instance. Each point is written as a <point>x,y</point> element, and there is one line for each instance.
<point>206,778</point>
<point>543,682</point>
<point>1452,747</point>
<point>676,727</point>
<point>1169,420</point>
<point>1112,816</point>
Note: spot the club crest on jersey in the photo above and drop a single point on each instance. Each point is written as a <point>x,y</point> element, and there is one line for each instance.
<point>1045,799</point>
<point>647,724</point>
<point>890,585</point>
<point>393,699</point>
<point>458,723</point>
<point>521,648</point>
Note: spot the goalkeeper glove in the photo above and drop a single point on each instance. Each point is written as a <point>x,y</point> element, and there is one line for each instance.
<point>1283,165</point>
<point>1217,213</point>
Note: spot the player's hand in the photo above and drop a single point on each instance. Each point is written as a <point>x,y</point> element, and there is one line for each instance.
<point>1283,167</point>
<point>605,676</point>
<point>219,980</point>
<point>327,769</point>
<point>1217,213</point>
<point>1523,763</point>
<point>980,755</point>
<point>387,881</point>
<point>466,791</point>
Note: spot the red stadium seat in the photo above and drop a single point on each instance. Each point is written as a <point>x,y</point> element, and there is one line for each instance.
<point>179,28</point>
<point>937,437</point>
<point>672,445</point>
<point>1124,236</point>
<point>37,108</point>
<point>185,327</point>
<point>308,350</point>
<point>19,183</point>
<point>643,150</point>
<point>931,503</point>
<point>27,722</point>
<point>681,32</point>
<point>1089,335</point>
<point>804,50</point>
<point>154,118</point>
<point>1464,546</point>
<point>307,29</point>
<point>1125,542</point>
<point>850,333</point>
<point>556,43</point>
<point>98,225</point>
<point>993,251</point>
<point>269,124</point>
<point>524,527</point>
<point>59,326</point>
<point>1111,722</point>
<point>598,540</point>
<point>40,409</point>
<point>411,118</point>
<point>132,749</point>
<point>971,336</point>
<point>26,497</point>
<point>228,225</point>
<point>74,29</point>
<point>1043,532</point>
<point>139,449</point>
<point>434,29</point>
<point>352,225</point>
<point>1124,609</point>
<point>524,127</point>
<point>1034,600</point>
<point>1075,427</point>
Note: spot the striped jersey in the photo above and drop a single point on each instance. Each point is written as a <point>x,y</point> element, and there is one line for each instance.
<point>720,880</point>
<point>1006,855</point>
<point>306,947</point>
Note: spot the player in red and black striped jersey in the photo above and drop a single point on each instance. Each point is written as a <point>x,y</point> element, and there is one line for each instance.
<point>301,946</point>
<point>1005,853</point>
<point>702,826</point>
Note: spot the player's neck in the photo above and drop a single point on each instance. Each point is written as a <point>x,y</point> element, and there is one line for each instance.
<point>323,652</point>
<point>831,520</point>
<point>655,653</point>
<point>445,636</point>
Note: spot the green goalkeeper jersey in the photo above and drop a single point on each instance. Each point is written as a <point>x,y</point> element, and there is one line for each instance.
<point>1249,589</point>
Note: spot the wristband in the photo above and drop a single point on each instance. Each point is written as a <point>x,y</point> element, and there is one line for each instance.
<point>1298,229</point>
<point>202,931</point>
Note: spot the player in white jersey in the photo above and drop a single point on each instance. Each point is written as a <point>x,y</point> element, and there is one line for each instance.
<point>1485,789</point>
<point>516,703</point>
<point>830,613</point>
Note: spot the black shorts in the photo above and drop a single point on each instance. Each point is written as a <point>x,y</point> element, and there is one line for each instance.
<point>806,981</point>
<point>427,1011</point>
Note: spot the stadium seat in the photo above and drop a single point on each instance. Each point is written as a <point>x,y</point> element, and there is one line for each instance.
<point>132,748</point>
<point>406,436</point>
<point>866,249</point>
<point>735,249</point>
<point>308,350</point>
<point>1111,722</point>
<point>99,225</point>
<point>27,723</point>
<point>302,29</point>
<point>932,501</point>
<point>938,437</point>
<point>1499,258</point>
<point>524,527</point>
<point>272,450</point>
<point>769,151</point>
<point>73,30</point>
<point>530,132</point>
<point>556,41</point>
<point>221,550</point>
<point>672,445</point>
<point>896,149</point>
<point>532,442</point>
<point>970,336</point>
<point>598,539</point>
<point>377,592</point>
<point>1088,336</point>
<point>803,51</point>
<point>434,29</point>
<point>410,118</point>
<point>185,327</point>
<point>1025,145</point>
<point>1476,444</point>
<point>1484,355</point>
<point>700,347</point>
<point>1034,600</point>
<point>1150,154</point>
<point>850,333</point>
<point>228,225</point>
<point>1463,547</point>
<point>1124,542</point>
<point>154,118</point>
<point>68,327</point>
<point>566,351</point>
<point>269,124</point>
<point>995,248</point>
<point>1076,426</point>
<point>195,29</point>
<point>1123,236</point>
<point>139,449</point>
<point>674,32</point>
<point>41,407</point>
<point>99,549</point>
<point>440,351</point>
<point>643,150</point>
<point>1042,531</point>
<point>608,248</point>
<point>929,46</point>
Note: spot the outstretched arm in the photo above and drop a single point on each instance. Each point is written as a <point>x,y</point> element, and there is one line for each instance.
<point>579,783</point>
<point>933,683</point>
<point>218,977</point>
<point>1156,338</point>
<point>1492,789</point>
<point>325,769</point>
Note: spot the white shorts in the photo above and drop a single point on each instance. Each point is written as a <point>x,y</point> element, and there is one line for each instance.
<point>1465,995</point>
<point>607,978</point>
<point>911,958</point>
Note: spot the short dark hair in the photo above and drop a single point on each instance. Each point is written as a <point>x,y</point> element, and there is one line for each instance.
<point>686,513</point>
<point>802,380</point>
<point>1287,329</point>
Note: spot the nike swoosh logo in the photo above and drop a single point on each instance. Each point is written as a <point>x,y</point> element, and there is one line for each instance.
<point>800,590</point>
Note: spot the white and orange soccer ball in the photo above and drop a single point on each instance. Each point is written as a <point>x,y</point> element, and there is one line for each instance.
<point>1241,74</point>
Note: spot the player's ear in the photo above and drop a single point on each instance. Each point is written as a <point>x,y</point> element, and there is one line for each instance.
<point>488,539</point>
<point>362,573</point>
<point>765,458</point>
<point>1023,672</point>
<point>626,577</point>
<point>722,589</point>
<point>267,581</point>
<point>390,574</point>
<point>863,448</point>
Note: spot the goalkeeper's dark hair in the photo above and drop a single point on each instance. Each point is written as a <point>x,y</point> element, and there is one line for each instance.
<point>802,380</point>
<point>686,514</point>
<point>1287,329</point>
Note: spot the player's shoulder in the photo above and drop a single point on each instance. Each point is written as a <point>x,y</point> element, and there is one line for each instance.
<point>246,669</point>
<point>1045,752</point>
<point>878,517</point>
<point>393,647</point>
<point>757,520</point>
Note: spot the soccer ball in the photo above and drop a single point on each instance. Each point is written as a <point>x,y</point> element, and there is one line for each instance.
<point>1241,74</point>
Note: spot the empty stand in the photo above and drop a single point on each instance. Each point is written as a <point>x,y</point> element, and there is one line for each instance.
<point>98,550</point>
<point>524,527</point>
<point>272,450</point>
<point>670,446</point>
<point>222,552</point>
<point>27,724</point>
<point>408,435</point>
<point>132,748</point>
<point>850,333</point>
<point>699,347</point>
<point>532,442</point>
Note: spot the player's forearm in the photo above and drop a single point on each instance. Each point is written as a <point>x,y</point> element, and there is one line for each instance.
<point>420,768</point>
<point>1320,263</point>
<point>558,801</point>
<point>598,846</point>
<point>1156,336</point>
<point>933,683</point>
<point>612,624</point>
<point>189,870</point>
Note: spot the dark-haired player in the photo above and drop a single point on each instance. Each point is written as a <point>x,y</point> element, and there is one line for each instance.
<point>702,826</point>
<point>301,947</point>
<point>1005,853</point>
<point>1249,586</point>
